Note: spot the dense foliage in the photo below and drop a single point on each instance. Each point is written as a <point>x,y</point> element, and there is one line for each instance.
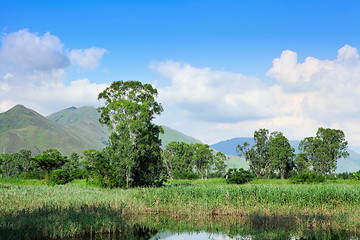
<point>48,161</point>
<point>192,161</point>
<point>133,157</point>
<point>273,155</point>
<point>322,151</point>
<point>15,163</point>
<point>238,176</point>
<point>308,178</point>
<point>270,153</point>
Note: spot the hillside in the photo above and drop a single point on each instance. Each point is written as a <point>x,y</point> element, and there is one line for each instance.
<point>170,135</point>
<point>22,128</point>
<point>70,130</point>
<point>349,164</point>
<point>84,123</point>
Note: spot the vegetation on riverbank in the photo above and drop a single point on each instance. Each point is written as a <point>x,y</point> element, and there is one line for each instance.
<point>33,211</point>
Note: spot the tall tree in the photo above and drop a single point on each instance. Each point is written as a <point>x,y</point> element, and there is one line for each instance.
<point>178,158</point>
<point>219,164</point>
<point>203,159</point>
<point>325,149</point>
<point>257,156</point>
<point>134,144</point>
<point>281,154</point>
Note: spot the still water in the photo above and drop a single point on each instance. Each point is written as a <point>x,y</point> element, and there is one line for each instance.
<point>223,228</point>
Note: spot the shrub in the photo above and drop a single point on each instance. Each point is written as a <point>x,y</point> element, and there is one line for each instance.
<point>238,176</point>
<point>344,175</point>
<point>60,176</point>
<point>356,175</point>
<point>77,174</point>
<point>185,175</point>
<point>308,178</point>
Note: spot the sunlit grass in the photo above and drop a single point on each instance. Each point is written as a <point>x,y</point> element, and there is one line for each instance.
<point>22,181</point>
<point>81,209</point>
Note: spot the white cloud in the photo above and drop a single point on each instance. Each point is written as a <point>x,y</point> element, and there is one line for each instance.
<point>213,95</point>
<point>25,52</point>
<point>34,69</point>
<point>87,58</point>
<point>329,88</point>
<point>308,95</point>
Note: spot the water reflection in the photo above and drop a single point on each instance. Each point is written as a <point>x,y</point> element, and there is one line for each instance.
<point>228,227</point>
<point>197,236</point>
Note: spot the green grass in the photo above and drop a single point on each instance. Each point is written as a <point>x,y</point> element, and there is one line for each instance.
<point>79,209</point>
<point>21,181</point>
<point>211,181</point>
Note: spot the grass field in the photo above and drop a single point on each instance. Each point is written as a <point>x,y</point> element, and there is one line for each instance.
<point>32,210</point>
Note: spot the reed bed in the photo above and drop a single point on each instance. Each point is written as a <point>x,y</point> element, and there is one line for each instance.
<point>72,211</point>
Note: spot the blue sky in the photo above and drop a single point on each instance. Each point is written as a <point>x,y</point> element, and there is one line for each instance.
<point>223,68</point>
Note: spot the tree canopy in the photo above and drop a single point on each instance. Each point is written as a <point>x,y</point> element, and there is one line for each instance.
<point>134,144</point>
<point>49,160</point>
<point>323,150</point>
<point>182,160</point>
<point>270,153</point>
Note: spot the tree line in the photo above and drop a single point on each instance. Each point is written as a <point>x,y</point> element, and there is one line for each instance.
<point>272,153</point>
<point>133,157</point>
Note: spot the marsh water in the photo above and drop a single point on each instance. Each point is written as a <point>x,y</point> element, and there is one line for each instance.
<point>226,227</point>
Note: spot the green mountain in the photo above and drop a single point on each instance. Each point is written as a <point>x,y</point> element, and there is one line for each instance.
<point>84,123</point>
<point>22,128</point>
<point>69,130</point>
<point>170,135</point>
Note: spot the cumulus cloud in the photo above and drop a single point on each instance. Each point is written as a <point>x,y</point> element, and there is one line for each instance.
<point>25,52</point>
<point>307,95</point>
<point>33,71</point>
<point>213,95</point>
<point>87,58</point>
<point>329,88</point>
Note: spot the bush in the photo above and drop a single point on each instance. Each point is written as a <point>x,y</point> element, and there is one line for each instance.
<point>60,176</point>
<point>184,175</point>
<point>344,175</point>
<point>356,175</point>
<point>238,176</point>
<point>308,178</point>
<point>77,174</point>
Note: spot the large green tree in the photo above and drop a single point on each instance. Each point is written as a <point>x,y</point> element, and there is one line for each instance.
<point>323,150</point>
<point>134,145</point>
<point>15,163</point>
<point>281,154</point>
<point>203,158</point>
<point>178,159</point>
<point>49,160</point>
<point>257,156</point>
<point>270,153</point>
<point>182,159</point>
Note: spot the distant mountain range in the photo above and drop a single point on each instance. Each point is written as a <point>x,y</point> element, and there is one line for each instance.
<point>78,129</point>
<point>69,130</point>
<point>228,147</point>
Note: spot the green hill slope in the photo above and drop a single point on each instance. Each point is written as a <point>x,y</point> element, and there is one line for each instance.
<point>69,130</point>
<point>170,135</point>
<point>84,123</point>
<point>22,128</point>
